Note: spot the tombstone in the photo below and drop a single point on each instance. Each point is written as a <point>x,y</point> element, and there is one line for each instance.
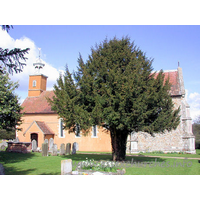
<point>68,148</point>
<point>34,145</point>
<point>16,140</point>
<point>66,167</point>
<point>46,141</point>
<point>3,145</point>
<point>74,148</point>
<point>62,149</point>
<point>51,143</point>
<point>45,149</point>
<point>54,150</point>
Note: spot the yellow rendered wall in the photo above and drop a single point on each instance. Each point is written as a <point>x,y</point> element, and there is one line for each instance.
<point>86,143</point>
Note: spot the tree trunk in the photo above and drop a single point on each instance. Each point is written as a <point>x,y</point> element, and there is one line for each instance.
<point>118,141</point>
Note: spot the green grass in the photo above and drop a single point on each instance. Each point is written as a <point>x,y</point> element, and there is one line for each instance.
<point>162,166</point>
<point>36,164</point>
<point>197,155</point>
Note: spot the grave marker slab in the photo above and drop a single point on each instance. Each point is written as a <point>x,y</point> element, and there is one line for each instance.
<point>62,149</point>
<point>45,149</point>
<point>74,148</point>
<point>51,142</point>
<point>34,145</point>
<point>68,148</point>
<point>55,150</point>
<point>66,167</point>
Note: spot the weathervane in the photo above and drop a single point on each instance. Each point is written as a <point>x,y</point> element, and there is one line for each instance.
<point>38,65</point>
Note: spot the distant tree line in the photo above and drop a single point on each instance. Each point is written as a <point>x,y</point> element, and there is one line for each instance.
<point>11,60</point>
<point>196,131</point>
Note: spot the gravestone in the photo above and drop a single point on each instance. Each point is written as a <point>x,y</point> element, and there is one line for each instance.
<point>68,148</point>
<point>54,150</point>
<point>3,145</point>
<point>66,167</point>
<point>45,149</point>
<point>34,145</point>
<point>62,149</point>
<point>74,148</point>
<point>16,140</point>
<point>46,141</point>
<point>51,142</point>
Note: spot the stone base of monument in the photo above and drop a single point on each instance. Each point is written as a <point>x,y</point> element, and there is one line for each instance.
<point>66,169</point>
<point>90,172</point>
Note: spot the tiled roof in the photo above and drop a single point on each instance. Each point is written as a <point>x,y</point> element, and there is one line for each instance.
<point>174,81</point>
<point>38,104</point>
<point>42,126</point>
<point>45,129</point>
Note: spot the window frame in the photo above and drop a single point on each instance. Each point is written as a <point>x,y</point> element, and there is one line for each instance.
<point>34,83</point>
<point>96,127</point>
<point>61,130</point>
<point>77,135</point>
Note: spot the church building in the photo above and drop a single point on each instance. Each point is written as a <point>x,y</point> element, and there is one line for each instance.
<point>39,122</point>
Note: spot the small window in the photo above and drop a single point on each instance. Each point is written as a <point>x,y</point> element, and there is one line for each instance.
<point>34,83</point>
<point>94,131</point>
<point>77,130</point>
<point>61,127</point>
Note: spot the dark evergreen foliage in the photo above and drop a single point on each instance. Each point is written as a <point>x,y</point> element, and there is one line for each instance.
<point>10,108</point>
<point>196,131</point>
<point>116,88</point>
<point>6,27</point>
<point>11,59</point>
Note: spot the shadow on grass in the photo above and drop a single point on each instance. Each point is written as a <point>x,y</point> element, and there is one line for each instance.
<point>7,158</point>
<point>99,157</point>
<point>56,173</point>
<point>11,157</point>
<point>80,157</point>
<point>23,164</point>
<point>15,171</point>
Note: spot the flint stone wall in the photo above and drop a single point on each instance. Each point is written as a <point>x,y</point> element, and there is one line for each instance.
<point>181,139</point>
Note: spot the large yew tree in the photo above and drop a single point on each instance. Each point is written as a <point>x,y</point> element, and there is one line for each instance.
<point>117,89</point>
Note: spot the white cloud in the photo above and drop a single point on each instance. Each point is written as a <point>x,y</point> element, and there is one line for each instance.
<point>194,101</point>
<point>8,42</point>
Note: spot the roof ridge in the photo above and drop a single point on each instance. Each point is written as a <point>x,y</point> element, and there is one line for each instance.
<point>171,70</point>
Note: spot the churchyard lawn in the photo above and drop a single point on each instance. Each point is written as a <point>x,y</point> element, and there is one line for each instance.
<point>36,164</point>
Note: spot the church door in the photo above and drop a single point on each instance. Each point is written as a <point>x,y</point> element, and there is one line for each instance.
<point>34,136</point>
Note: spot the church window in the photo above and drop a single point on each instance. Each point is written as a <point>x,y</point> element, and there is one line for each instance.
<point>61,127</point>
<point>34,83</point>
<point>94,131</point>
<point>77,130</point>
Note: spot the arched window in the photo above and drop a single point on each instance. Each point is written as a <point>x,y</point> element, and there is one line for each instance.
<point>34,83</point>
<point>77,130</point>
<point>61,128</point>
<point>94,131</point>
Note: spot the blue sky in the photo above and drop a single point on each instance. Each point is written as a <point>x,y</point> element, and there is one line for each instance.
<point>61,45</point>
